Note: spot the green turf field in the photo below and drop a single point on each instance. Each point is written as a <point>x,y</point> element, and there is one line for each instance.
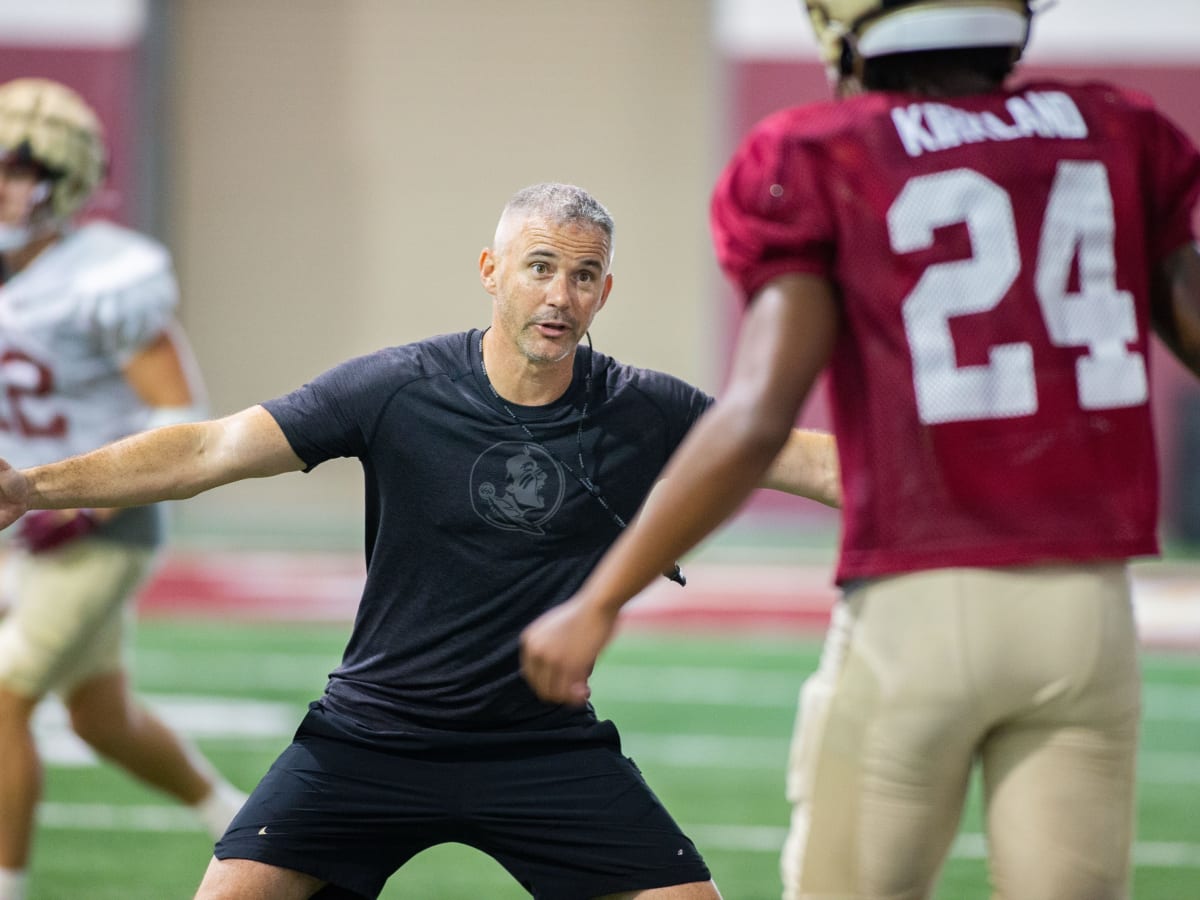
<point>706,719</point>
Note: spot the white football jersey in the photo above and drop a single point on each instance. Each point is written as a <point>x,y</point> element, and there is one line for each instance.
<point>69,322</point>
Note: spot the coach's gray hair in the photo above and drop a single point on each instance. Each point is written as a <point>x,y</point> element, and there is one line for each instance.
<point>558,203</point>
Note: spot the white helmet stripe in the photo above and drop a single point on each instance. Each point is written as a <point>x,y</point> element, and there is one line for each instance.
<point>926,28</point>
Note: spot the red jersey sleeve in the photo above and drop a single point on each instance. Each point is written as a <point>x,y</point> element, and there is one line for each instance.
<point>769,216</point>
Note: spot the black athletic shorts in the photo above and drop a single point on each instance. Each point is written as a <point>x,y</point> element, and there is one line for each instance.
<point>568,820</point>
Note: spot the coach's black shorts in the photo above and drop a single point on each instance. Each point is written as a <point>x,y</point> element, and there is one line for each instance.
<point>569,821</point>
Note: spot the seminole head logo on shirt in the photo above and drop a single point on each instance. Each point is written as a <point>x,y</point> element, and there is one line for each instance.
<point>517,486</point>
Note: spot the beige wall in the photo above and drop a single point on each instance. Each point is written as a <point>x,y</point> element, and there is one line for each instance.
<point>337,165</point>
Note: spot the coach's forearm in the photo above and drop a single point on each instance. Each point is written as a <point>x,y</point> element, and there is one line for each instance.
<point>808,467</point>
<point>170,463</point>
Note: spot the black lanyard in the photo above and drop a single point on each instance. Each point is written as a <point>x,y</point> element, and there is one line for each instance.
<point>581,476</point>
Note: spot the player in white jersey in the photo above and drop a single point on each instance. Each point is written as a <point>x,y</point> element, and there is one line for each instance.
<point>90,351</point>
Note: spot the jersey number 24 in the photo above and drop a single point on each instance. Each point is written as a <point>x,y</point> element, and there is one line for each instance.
<point>1078,225</point>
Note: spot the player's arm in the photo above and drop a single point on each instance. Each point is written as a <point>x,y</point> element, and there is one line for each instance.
<point>165,377</point>
<point>1175,305</point>
<point>170,463</point>
<point>807,466</point>
<point>784,343</point>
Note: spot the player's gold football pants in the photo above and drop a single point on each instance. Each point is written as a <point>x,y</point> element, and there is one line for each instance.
<point>1031,673</point>
<point>71,614</point>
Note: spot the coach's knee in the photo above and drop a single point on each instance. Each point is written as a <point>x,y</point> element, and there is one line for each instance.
<point>235,879</point>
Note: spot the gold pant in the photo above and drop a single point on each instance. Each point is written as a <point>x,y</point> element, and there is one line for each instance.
<point>1031,673</point>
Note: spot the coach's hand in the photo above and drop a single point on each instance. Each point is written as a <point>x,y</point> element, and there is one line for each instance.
<point>14,494</point>
<point>559,650</point>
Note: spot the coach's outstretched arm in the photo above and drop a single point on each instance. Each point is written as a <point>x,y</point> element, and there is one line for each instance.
<point>807,466</point>
<point>171,463</point>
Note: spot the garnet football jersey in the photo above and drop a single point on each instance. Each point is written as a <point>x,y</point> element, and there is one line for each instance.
<point>992,255</point>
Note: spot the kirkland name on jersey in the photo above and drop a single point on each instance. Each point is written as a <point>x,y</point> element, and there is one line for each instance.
<point>927,127</point>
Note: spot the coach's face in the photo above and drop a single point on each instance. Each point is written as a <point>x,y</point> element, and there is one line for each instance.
<point>547,280</point>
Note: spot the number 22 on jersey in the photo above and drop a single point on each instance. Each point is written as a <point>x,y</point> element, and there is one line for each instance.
<point>1078,225</point>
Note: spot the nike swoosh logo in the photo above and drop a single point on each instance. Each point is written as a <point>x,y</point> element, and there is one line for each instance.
<point>263,830</point>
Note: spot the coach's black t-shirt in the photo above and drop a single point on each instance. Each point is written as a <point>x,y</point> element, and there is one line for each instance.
<point>473,529</point>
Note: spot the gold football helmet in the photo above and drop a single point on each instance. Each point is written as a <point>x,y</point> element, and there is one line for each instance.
<point>850,29</point>
<point>49,125</point>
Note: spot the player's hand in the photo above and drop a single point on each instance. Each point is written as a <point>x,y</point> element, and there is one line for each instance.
<point>41,530</point>
<point>559,650</point>
<point>14,494</point>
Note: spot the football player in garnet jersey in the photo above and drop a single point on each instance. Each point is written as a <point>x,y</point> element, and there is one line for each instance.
<point>979,268</point>
<point>89,352</point>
